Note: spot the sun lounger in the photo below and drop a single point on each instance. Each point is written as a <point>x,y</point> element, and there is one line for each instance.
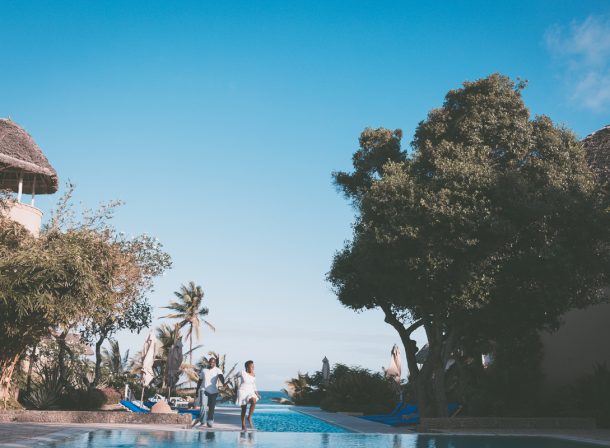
<point>398,412</point>
<point>132,407</point>
<point>395,411</point>
<point>409,415</point>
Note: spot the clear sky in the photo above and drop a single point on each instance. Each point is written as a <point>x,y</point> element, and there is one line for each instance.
<point>219,123</point>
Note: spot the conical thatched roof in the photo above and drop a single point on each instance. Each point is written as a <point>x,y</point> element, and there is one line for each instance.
<point>597,146</point>
<point>20,154</point>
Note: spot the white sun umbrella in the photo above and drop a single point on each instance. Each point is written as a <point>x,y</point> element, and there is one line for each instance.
<point>394,370</point>
<point>325,370</point>
<point>148,359</point>
<point>174,361</point>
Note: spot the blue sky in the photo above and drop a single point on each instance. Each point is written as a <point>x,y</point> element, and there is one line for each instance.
<point>219,123</point>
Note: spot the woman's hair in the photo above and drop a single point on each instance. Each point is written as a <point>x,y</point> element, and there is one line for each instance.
<point>248,364</point>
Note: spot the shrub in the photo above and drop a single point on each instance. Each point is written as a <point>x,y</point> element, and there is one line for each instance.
<point>305,390</point>
<point>46,392</point>
<point>83,399</point>
<point>112,396</point>
<point>354,389</point>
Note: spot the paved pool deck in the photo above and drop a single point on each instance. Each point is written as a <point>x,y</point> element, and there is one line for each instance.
<point>22,435</point>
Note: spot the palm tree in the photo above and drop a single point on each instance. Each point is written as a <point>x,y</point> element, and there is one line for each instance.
<point>189,309</point>
<point>112,359</point>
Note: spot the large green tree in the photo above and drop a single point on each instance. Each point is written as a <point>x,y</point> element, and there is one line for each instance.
<point>493,225</point>
<point>131,263</point>
<point>47,284</point>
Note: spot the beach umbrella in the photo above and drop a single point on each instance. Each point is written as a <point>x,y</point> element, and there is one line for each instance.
<point>394,371</point>
<point>325,370</point>
<point>148,359</point>
<point>174,361</point>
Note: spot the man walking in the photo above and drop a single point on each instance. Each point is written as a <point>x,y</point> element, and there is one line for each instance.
<point>208,391</point>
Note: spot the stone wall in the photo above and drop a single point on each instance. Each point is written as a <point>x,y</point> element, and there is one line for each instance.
<point>432,424</point>
<point>93,417</point>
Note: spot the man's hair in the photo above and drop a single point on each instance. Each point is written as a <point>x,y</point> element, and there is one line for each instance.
<point>213,358</point>
<point>248,364</point>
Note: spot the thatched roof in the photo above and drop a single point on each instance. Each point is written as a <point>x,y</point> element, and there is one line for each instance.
<point>597,146</point>
<point>20,154</point>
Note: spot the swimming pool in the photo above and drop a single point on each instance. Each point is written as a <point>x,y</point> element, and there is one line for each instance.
<point>211,439</point>
<point>276,419</point>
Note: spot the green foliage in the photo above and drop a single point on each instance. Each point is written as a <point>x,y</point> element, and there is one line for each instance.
<point>354,389</point>
<point>115,362</point>
<point>305,389</point>
<point>509,387</point>
<point>83,399</point>
<point>46,392</point>
<point>348,389</point>
<point>493,228</point>
<point>79,274</point>
<point>189,310</point>
<point>112,396</point>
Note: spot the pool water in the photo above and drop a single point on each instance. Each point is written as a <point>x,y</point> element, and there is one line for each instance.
<point>210,439</point>
<point>285,420</point>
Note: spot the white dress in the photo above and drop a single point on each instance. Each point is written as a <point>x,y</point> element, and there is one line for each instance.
<point>247,389</point>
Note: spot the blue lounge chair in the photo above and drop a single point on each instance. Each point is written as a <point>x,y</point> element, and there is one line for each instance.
<point>395,411</point>
<point>132,407</point>
<point>410,416</point>
<point>403,409</point>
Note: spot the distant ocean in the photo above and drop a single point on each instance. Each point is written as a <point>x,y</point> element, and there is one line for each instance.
<point>267,396</point>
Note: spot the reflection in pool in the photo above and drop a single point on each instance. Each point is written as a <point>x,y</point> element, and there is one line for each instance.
<point>217,439</point>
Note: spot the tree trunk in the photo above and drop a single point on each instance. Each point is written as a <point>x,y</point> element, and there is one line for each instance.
<point>98,360</point>
<point>61,358</point>
<point>32,359</point>
<point>7,368</point>
<point>405,337</point>
<point>191,348</point>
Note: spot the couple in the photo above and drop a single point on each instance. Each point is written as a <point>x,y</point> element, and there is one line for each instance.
<point>208,392</point>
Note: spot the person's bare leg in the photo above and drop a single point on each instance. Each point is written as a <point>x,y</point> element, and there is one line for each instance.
<point>243,417</point>
<point>252,406</point>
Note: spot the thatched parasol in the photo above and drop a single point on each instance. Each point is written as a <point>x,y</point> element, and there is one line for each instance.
<point>23,166</point>
<point>597,146</point>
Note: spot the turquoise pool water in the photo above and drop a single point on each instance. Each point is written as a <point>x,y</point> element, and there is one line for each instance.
<point>280,419</point>
<point>192,439</point>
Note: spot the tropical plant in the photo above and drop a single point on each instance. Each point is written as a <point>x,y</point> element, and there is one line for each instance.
<point>354,389</point>
<point>116,367</point>
<point>47,390</point>
<point>190,311</point>
<point>305,389</point>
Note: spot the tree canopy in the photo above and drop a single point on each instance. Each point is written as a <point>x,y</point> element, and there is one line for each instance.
<point>493,224</point>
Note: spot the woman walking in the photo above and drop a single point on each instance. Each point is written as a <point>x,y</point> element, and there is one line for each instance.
<point>247,394</point>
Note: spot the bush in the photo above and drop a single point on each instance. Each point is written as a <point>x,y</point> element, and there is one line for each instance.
<point>354,389</point>
<point>46,392</point>
<point>83,399</point>
<point>305,389</point>
<point>112,396</point>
